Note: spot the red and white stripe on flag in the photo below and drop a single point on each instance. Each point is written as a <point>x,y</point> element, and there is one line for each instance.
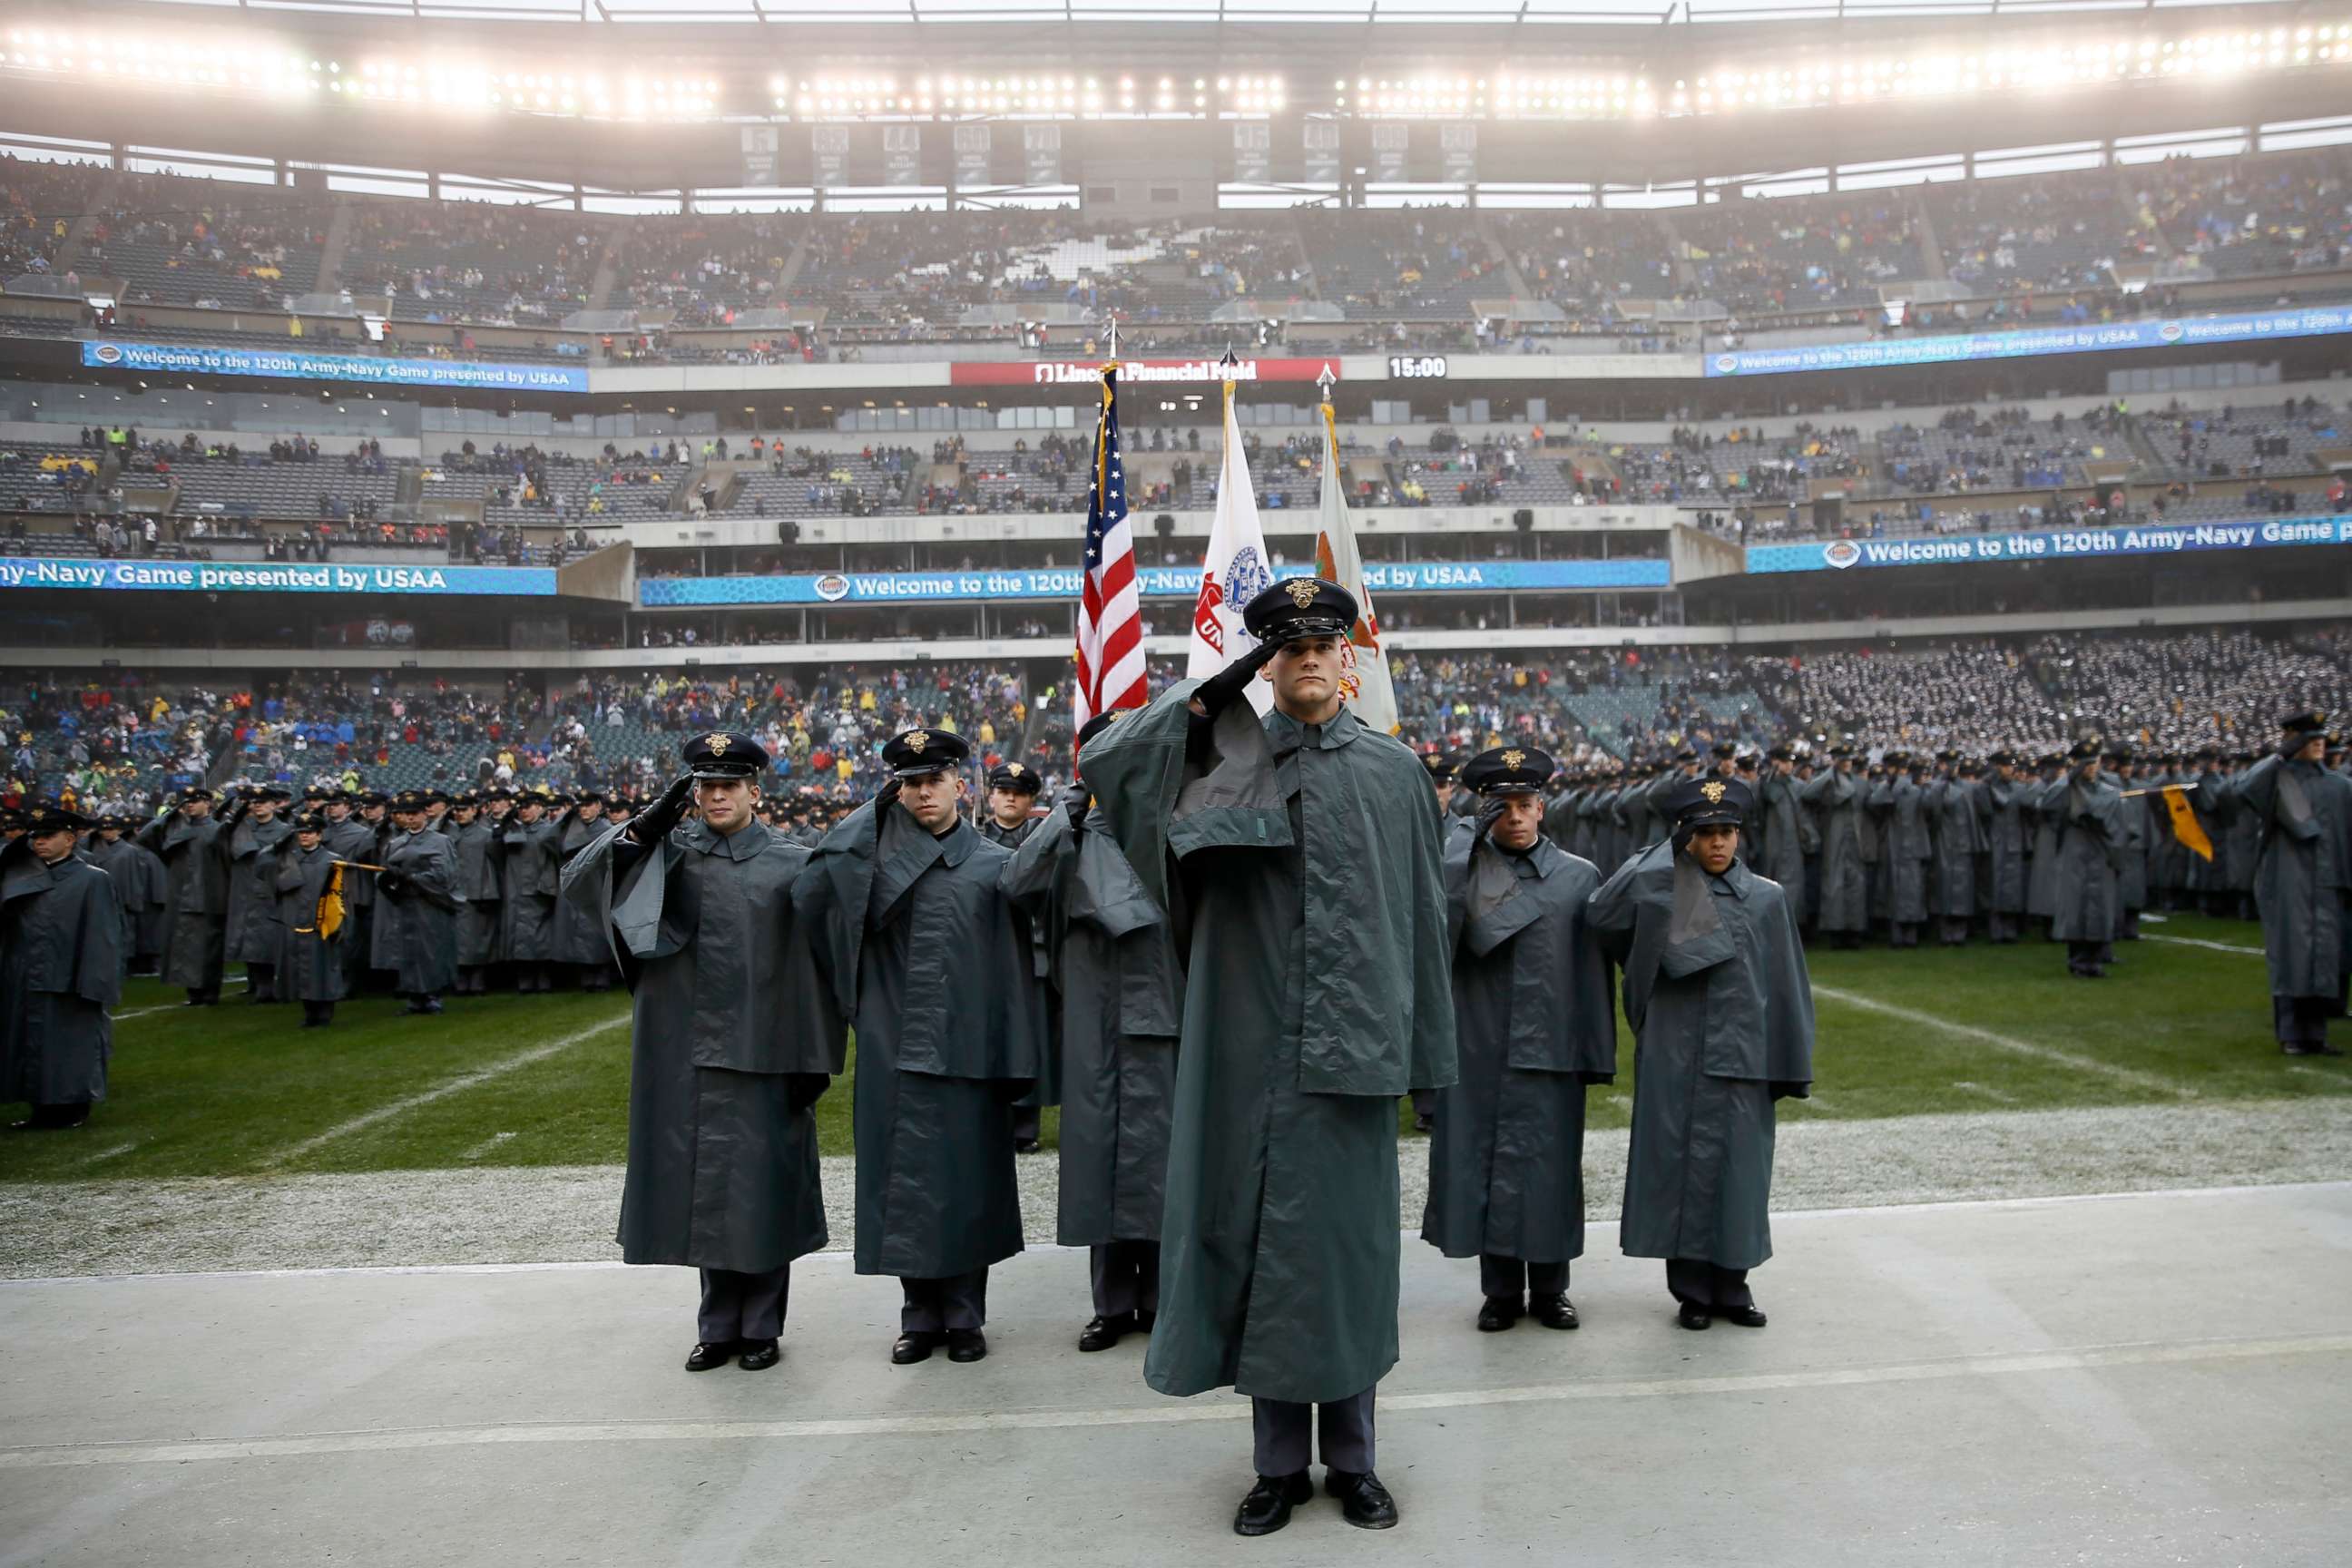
<point>1111,608</point>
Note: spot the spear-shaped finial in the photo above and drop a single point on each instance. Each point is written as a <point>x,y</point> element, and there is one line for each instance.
<point>1112,330</point>
<point>1326,381</point>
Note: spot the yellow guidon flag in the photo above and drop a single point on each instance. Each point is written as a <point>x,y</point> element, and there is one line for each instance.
<point>327,918</point>
<point>2184,825</point>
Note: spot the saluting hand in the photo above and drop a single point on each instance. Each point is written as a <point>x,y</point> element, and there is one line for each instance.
<point>666,814</point>
<point>1217,693</point>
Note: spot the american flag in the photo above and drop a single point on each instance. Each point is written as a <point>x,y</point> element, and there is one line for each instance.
<point>1110,613</point>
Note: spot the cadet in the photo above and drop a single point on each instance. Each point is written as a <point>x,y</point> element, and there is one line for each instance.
<point>1722,1013</point>
<point>1113,972</point>
<point>415,932</point>
<point>2303,871</point>
<point>2087,815</point>
<point>1842,900</point>
<point>2000,808</point>
<point>1306,851</point>
<point>60,972</point>
<point>733,1038</point>
<point>530,882</point>
<point>1533,1024</point>
<point>252,830</point>
<point>578,945</point>
<point>479,866</point>
<point>933,967</point>
<point>309,969</point>
<point>1013,789</point>
<point>196,873</point>
<point>352,837</point>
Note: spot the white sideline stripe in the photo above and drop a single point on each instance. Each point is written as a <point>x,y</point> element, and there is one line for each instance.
<point>2092,1358</point>
<point>105,1154</point>
<point>2200,942</point>
<point>142,1012</point>
<point>2009,1043</point>
<point>458,1085</point>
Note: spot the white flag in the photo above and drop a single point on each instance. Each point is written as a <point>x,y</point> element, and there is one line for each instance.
<point>1232,572</point>
<point>1364,677</point>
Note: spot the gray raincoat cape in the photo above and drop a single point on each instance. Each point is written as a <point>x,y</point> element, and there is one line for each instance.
<point>1722,1010</point>
<point>195,878</point>
<point>139,884</point>
<point>2302,873</point>
<point>934,969</point>
<point>2001,808</point>
<point>481,878</point>
<point>60,973</point>
<point>576,938</point>
<point>252,929</point>
<point>733,1037</point>
<point>1844,891</point>
<point>2089,821</point>
<point>1302,863</point>
<point>1118,990</point>
<point>529,884</point>
<point>1534,1022</point>
<point>415,933</point>
<point>311,968</point>
<point>1779,824</point>
<point>1902,806</point>
<point>2043,811</point>
<point>1957,836</point>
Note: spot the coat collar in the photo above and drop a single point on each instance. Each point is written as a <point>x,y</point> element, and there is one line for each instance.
<point>742,845</point>
<point>1287,734</point>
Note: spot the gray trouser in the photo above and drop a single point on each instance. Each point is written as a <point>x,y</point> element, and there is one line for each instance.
<point>932,1306</point>
<point>1705,1285</point>
<point>1345,1434</point>
<point>2301,1020</point>
<point>1126,1275</point>
<point>737,1306</point>
<point>1508,1276</point>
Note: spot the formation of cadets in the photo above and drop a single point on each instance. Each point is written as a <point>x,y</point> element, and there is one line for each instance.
<point>1225,951</point>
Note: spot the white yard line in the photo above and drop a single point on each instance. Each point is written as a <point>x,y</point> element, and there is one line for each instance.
<point>2009,1043</point>
<point>1735,1385</point>
<point>142,1012</point>
<point>105,1154</point>
<point>1998,1096</point>
<point>458,1085</point>
<point>2200,942</point>
<point>485,1145</point>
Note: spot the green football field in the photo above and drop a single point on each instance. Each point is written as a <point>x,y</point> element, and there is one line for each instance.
<point>543,1081</point>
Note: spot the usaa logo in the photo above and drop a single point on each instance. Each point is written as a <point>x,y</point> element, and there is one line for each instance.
<point>1843,554</point>
<point>832,587</point>
<point>2171,332</point>
<point>107,354</point>
<point>1725,363</point>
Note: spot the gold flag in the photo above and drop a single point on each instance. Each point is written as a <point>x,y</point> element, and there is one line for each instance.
<point>329,919</point>
<point>2184,825</point>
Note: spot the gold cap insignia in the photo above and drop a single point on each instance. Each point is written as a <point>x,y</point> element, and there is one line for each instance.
<point>1012,768</point>
<point>715,744</point>
<point>1302,591</point>
<point>915,740</point>
<point>1713,790</point>
<point>1513,759</point>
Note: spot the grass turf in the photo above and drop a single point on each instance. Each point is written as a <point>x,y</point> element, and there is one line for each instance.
<point>511,1080</point>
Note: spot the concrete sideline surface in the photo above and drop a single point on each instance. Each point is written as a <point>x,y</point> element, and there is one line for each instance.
<point>2118,1380</point>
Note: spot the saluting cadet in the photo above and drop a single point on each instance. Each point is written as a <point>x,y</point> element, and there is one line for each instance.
<point>196,872</point>
<point>252,830</point>
<point>60,972</point>
<point>733,1038</point>
<point>1842,900</point>
<point>415,933</point>
<point>479,866</point>
<point>2001,806</point>
<point>2303,878</point>
<point>311,968</point>
<point>2086,815</point>
<point>529,842</point>
<point>578,945</point>
<point>1304,852</point>
<point>934,968</point>
<point>1119,993</point>
<point>1534,1022</point>
<point>1722,1012</point>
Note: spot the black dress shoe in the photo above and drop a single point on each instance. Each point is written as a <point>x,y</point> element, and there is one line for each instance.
<point>1499,1313</point>
<point>1104,1332</point>
<point>1268,1507</point>
<point>759,1355</point>
<point>1363,1501</point>
<point>1024,1146</point>
<point>1746,1317</point>
<point>703,1357</point>
<point>1552,1311</point>
<point>914,1347</point>
<point>966,1344</point>
<point>1693,1316</point>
